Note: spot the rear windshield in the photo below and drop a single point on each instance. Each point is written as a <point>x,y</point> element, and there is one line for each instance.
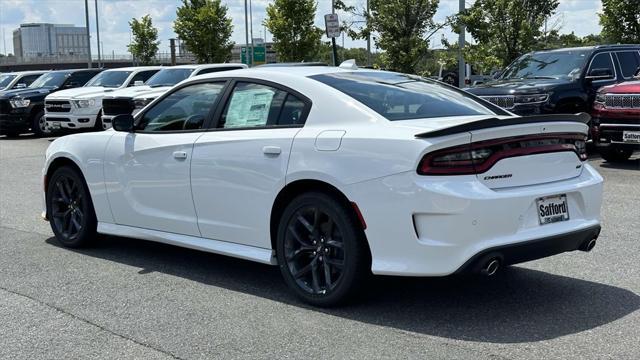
<point>402,97</point>
<point>168,77</point>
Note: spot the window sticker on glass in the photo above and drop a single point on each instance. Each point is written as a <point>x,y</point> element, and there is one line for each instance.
<point>249,107</point>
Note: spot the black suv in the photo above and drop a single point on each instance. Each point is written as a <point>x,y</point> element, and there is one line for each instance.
<point>23,109</point>
<point>561,80</point>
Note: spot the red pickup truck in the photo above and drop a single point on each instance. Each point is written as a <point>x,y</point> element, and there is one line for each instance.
<point>616,120</point>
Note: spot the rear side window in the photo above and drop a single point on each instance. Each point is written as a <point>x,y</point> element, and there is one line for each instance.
<point>629,62</point>
<point>257,105</point>
<point>402,97</point>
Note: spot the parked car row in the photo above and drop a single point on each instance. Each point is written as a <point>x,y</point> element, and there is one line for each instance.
<point>599,80</point>
<point>44,101</point>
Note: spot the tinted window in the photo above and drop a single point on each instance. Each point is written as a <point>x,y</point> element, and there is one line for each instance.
<point>553,64</point>
<point>109,79</point>
<point>5,80</point>
<point>52,79</point>
<point>169,77</point>
<point>80,78</point>
<point>402,97</point>
<point>629,62</point>
<point>218,69</point>
<point>27,80</point>
<point>602,61</point>
<point>184,109</point>
<point>292,111</point>
<point>253,105</point>
<point>142,76</point>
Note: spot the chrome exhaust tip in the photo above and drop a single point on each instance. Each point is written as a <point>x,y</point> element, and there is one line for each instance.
<point>491,267</point>
<point>588,245</point>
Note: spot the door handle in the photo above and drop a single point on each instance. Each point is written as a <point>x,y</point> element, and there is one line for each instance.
<point>272,150</point>
<point>179,155</point>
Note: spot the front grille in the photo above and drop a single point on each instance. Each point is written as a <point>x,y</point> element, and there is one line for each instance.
<point>57,106</point>
<point>622,101</point>
<point>5,107</point>
<point>504,101</point>
<point>112,107</point>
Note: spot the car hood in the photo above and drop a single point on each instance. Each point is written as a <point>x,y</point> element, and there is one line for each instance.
<point>81,93</point>
<point>628,87</point>
<point>24,93</point>
<point>516,86</point>
<point>135,91</point>
<point>153,93</point>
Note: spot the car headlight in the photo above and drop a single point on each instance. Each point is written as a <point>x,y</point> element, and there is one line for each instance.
<point>19,103</point>
<point>140,103</point>
<point>531,99</point>
<point>600,98</point>
<point>85,103</point>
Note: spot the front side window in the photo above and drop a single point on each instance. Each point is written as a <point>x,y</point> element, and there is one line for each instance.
<point>402,97</point>
<point>547,65</point>
<point>602,61</point>
<point>5,80</point>
<point>142,76</point>
<point>257,105</point>
<point>629,62</point>
<point>109,79</point>
<point>184,109</point>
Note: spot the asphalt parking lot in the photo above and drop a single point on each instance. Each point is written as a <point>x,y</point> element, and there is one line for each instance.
<point>133,299</point>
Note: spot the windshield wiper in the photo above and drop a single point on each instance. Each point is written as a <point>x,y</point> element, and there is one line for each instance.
<point>540,77</point>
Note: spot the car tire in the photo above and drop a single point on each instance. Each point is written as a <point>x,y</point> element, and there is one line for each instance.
<point>11,134</point>
<point>321,250</point>
<point>39,125</point>
<point>70,209</point>
<point>613,154</point>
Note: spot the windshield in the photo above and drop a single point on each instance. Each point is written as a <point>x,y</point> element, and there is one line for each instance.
<point>5,80</point>
<point>402,97</point>
<point>547,65</point>
<point>52,79</point>
<point>109,79</point>
<point>168,77</point>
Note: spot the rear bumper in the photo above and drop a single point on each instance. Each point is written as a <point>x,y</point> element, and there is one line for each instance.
<point>432,226</point>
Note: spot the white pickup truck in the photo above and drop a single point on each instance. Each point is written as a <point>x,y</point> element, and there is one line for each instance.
<point>132,100</point>
<point>18,79</point>
<point>81,107</point>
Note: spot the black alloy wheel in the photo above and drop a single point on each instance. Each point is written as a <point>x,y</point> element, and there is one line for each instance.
<point>321,250</point>
<point>39,125</point>
<point>69,208</point>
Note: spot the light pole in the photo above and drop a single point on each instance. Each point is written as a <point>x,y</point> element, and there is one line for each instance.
<point>246,33</point>
<point>368,37</point>
<point>98,33</point>
<point>86,22</point>
<point>251,28</point>
<point>460,49</point>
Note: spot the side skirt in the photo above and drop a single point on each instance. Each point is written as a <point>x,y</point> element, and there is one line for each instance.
<point>245,252</point>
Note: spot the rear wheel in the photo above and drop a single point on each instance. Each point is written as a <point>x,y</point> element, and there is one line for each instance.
<point>321,250</point>
<point>69,208</point>
<point>613,154</point>
<point>39,125</point>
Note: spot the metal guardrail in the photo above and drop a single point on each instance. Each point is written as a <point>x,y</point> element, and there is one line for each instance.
<point>160,58</point>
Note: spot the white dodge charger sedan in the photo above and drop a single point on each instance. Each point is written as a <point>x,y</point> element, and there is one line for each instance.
<point>331,173</point>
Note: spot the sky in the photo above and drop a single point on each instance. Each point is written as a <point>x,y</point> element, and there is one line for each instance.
<point>578,16</point>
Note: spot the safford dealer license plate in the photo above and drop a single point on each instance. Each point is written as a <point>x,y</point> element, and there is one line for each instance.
<point>552,209</point>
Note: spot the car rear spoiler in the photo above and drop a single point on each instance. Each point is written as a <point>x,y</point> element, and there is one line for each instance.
<point>489,123</point>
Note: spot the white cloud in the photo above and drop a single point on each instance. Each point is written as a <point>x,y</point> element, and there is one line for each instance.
<point>576,15</point>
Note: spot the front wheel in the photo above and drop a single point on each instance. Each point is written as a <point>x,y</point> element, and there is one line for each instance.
<point>70,209</point>
<point>321,250</point>
<point>39,125</point>
<point>613,154</point>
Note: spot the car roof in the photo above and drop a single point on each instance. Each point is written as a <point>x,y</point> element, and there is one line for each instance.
<point>27,72</point>
<point>136,68</point>
<point>198,66</point>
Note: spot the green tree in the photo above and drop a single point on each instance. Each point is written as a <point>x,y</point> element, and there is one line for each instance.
<point>620,20</point>
<point>206,29</point>
<point>507,28</point>
<point>404,29</point>
<point>295,37</point>
<point>144,44</point>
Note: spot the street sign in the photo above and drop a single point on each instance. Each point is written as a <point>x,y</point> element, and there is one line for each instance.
<point>259,55</point>
<point>332,25</point>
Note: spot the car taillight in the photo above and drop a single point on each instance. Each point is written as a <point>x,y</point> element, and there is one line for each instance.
<point>479,157</point>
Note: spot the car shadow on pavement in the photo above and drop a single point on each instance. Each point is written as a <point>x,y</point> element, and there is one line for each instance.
<point>631,164</point>
<point>518,305</point>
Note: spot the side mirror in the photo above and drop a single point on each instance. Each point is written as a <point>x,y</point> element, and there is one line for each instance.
<point>123,122</point>
<point>138,83</point>
<point>20,86</point>
<point>599,74</point>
